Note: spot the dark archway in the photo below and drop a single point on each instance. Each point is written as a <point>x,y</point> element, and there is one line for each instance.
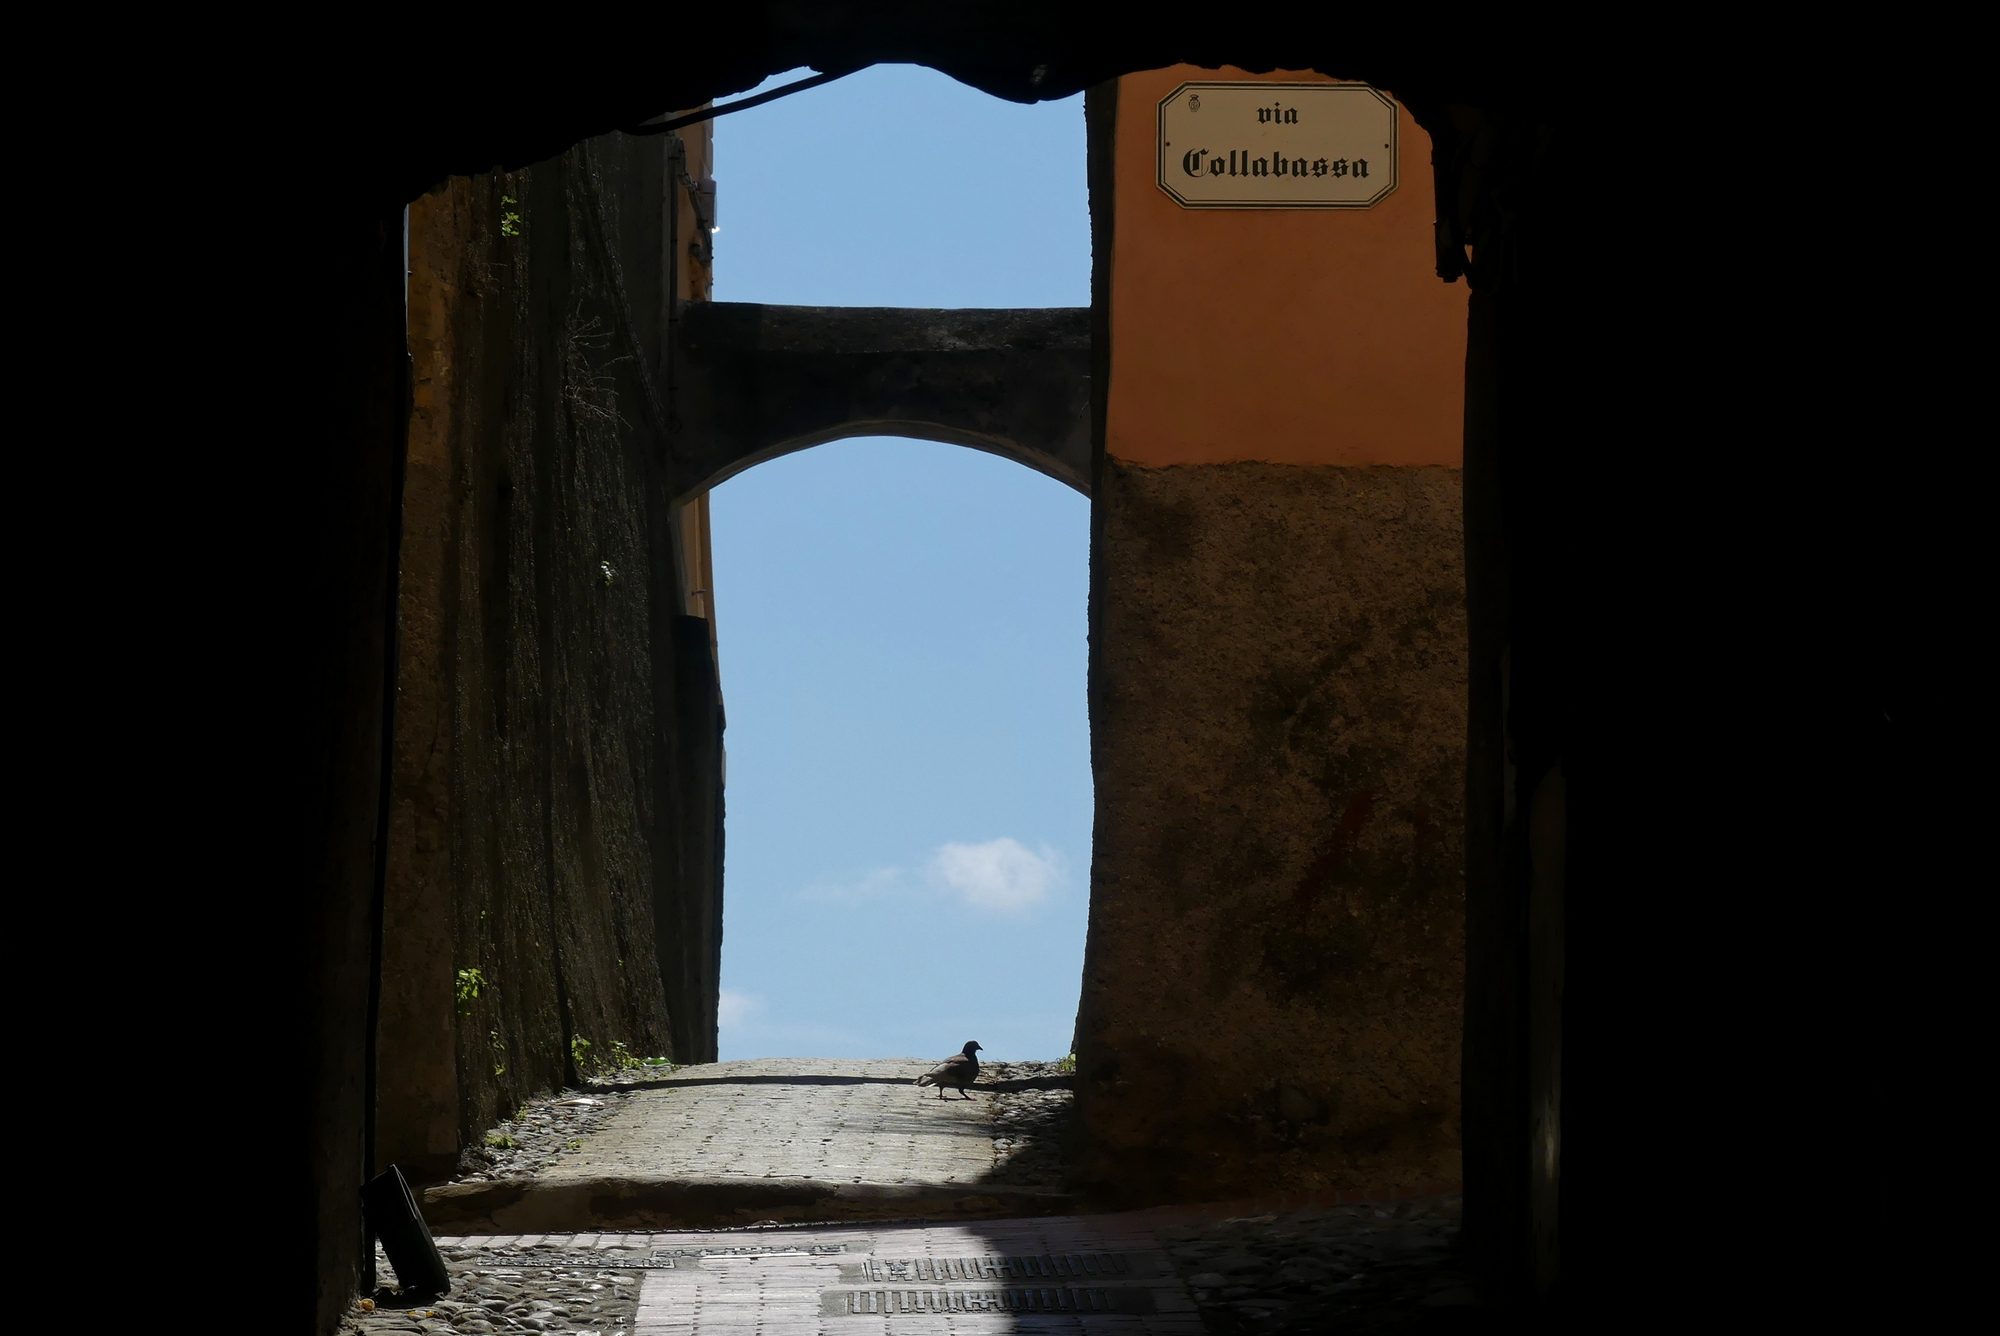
<point>1503,1186</point>
<point>1565,428</point>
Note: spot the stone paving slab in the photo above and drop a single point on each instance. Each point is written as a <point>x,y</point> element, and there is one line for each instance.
<point>1081,1275</point>
<point>853,1122</point>
<point>774,1139</point>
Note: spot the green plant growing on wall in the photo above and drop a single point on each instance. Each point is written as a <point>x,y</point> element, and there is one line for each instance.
<point>579,1053</point>
<point>510,218</point>
<point>470,982</point>
<point>1067,1066</point>
<point>501,1141</point>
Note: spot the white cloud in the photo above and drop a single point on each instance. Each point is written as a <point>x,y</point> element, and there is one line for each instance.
<point>999,876</point>
<point>733,1008</point>
<point>1003,875</point>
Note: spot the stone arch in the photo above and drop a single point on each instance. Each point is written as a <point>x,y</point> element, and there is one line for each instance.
<point>755,382</point>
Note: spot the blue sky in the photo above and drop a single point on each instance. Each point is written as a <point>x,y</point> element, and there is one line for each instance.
<point>902,623</point>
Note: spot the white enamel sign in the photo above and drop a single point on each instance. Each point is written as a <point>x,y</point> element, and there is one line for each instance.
<point>1277,146</point>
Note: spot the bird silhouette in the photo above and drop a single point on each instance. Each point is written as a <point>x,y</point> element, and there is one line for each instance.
<point>961,1070</point>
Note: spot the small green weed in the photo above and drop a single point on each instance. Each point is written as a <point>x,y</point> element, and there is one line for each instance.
<point>470,982</point>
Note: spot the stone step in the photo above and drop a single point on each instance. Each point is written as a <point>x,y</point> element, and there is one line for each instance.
<point>540,1204</point>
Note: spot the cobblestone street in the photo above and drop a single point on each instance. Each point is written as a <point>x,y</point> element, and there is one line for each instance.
<point>922,1243</point>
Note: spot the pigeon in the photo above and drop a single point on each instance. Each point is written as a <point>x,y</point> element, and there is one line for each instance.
<point>961,1070</point>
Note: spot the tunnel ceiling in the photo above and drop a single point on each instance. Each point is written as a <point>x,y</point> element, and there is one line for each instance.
<point>508,106</point>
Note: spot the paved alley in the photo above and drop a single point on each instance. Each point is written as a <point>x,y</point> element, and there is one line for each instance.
<point>781,1198</point>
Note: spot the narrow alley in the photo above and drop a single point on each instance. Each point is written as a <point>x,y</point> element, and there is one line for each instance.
<point>837,1196</point>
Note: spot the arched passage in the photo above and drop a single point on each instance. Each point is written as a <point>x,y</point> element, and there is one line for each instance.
<point>1545,407</point>
<point>900,624</point>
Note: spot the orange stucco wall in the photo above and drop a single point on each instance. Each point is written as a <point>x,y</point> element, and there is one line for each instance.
<point>1297,336</point>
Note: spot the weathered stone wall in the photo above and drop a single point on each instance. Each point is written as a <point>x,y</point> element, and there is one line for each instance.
<point>690,926</point>
<point>542,789</point>
<point>1273,981</point>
